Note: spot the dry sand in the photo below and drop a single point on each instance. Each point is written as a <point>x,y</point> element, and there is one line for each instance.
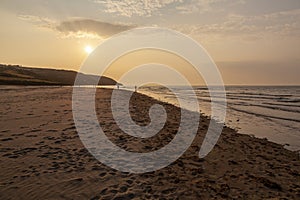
<point>42,156</point>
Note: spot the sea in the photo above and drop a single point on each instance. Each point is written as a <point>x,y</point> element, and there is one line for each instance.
<point>271,112</point>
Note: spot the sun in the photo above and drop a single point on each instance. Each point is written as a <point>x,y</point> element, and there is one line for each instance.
<point>88,49</point>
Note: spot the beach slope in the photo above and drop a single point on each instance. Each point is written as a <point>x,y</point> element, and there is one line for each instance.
<point>42,157</point>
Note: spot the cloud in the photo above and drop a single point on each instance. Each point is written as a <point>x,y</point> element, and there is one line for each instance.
<point>201,6</point>
<point>77,28</point>
<point>130,8</point>
<point>90,28</point>
<point>281,24</point>
<point>42,22</point>
<point>248,28</point>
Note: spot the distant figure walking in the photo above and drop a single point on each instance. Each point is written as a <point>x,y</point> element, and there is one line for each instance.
<point>118,86</point>
<point>135,88</point>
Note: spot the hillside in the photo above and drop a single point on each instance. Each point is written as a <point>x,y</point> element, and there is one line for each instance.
<point>18,75</point>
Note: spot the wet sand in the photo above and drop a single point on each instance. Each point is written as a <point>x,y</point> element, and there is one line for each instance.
<point>42,156</point>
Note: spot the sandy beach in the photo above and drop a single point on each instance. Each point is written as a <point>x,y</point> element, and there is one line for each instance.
<point>42,156</point>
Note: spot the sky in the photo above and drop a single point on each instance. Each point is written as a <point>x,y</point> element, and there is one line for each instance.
<point>253,42</point>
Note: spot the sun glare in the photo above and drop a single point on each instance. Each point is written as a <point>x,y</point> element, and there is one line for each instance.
<point>88,49</point>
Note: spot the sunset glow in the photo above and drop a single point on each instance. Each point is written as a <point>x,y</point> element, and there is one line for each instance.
<point>88,49</point>
<point>251,42</point>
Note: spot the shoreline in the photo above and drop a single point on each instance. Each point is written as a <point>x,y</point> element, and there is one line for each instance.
<point>234,122</point>
<point>43,157</point>
<point>156,97</point>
